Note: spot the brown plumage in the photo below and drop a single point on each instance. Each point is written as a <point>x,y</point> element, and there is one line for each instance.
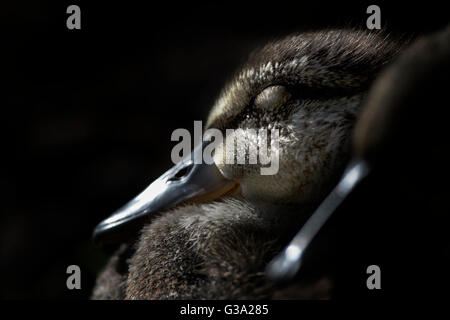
<point>219,250</point>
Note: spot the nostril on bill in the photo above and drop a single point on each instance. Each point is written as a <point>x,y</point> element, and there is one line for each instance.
<point>183,172</point>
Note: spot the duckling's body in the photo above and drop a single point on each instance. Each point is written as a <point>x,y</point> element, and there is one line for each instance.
<point>219,250</point>
<point>215,251</point>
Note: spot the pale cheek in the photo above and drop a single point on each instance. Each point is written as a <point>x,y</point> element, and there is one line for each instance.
<point>293,183</point>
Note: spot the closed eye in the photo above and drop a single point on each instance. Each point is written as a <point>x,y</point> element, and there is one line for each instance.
<point>272,97</point>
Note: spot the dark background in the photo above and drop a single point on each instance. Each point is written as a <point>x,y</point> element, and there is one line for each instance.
<point>87,114</point>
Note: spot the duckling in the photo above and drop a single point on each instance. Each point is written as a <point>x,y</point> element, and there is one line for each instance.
<point>207,231</point>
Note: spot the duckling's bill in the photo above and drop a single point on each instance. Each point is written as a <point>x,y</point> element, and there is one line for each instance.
<point>187,181</point>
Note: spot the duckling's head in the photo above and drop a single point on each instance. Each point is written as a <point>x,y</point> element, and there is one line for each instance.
<point>307,89</point>
<point>308,86</point>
